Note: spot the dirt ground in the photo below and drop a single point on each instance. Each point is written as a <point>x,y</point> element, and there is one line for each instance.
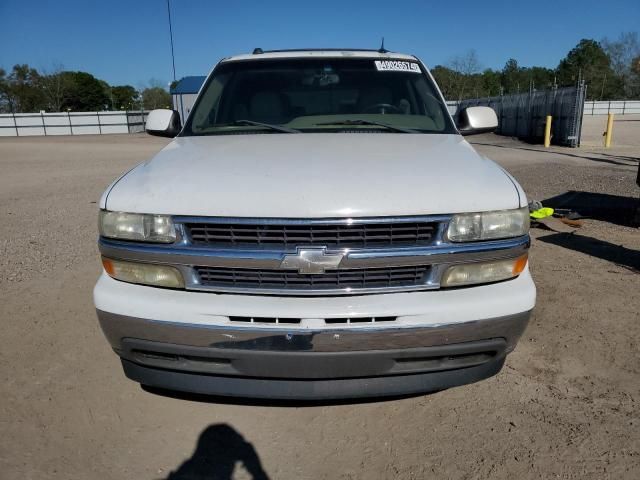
<point>566,405</point>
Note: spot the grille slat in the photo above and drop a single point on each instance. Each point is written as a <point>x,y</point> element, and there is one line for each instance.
<point>331,279</point>
<point>297,321</point>
<point>358,235</point>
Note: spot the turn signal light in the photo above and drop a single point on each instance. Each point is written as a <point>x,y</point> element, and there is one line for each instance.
<point>484,272</point>
<point>143,273</point>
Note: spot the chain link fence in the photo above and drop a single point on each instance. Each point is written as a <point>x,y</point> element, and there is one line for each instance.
<point>523,115</point>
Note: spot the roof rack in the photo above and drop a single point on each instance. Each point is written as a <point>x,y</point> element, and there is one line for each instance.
<point>259,50</point>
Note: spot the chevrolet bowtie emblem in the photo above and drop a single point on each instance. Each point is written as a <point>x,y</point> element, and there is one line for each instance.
<point>312,261</point>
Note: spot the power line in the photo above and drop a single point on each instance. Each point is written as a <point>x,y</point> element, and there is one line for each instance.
<point>173,61</point>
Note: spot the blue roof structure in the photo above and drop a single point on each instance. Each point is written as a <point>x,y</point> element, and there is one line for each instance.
<point>188,85</point>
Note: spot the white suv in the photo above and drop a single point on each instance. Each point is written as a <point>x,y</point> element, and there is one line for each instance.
<point>319,228</point>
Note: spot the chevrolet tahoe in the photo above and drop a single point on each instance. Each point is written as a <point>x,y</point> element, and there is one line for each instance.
<point>318,228</point>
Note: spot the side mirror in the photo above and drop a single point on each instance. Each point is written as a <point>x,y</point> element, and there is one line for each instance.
<point>472,120</point>
<point>163,123</point>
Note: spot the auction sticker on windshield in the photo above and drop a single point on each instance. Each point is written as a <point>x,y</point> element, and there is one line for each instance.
<point>396,66</point>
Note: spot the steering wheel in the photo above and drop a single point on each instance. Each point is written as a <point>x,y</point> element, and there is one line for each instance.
<point>382,108</point>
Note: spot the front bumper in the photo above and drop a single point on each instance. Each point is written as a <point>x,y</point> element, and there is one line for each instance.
<point>186,340</point>
<point>310,364</point>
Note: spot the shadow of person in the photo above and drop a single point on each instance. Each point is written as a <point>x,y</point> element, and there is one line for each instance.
<point>218,450</point>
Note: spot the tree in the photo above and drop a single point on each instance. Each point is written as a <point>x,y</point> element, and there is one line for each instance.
<point>24,89</point>
<point>635,77</point>
<point>86,93</point>
<point>155,97</point>
<point>106,88</point>
<point>465,82</point>
<point>460,78</point>
<point>20,89</point>
<point>589,62</point>
<point>511,77</point>
<point>621,54</point>
<point>464,66</point>
<point>445,78</point>
<point>4,92</point>
<point>55,87</point>
<point>540,77</point>
<point>491,83</point>
<point>124,97</point>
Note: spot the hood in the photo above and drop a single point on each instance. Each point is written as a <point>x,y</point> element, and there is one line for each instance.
<point>314,175</point>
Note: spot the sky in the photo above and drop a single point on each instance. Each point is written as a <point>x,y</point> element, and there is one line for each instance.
<point>127,42</point>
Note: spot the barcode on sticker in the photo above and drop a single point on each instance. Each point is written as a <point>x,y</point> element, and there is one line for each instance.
<point>396,66</point>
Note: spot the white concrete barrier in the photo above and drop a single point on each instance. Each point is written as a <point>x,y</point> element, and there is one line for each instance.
<point>71,123</point>
<point>619,107</point>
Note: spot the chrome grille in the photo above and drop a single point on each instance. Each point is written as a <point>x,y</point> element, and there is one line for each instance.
<point>291,235</point>
<point>365,278</point>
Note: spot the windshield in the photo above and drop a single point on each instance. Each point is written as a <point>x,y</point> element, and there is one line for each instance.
<point>319,95</point>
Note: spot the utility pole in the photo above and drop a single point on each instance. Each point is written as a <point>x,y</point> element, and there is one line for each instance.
<point>173,61</point>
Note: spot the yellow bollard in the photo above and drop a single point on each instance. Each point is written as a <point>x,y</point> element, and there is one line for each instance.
<point>609,133</point>
<point>547,132</point>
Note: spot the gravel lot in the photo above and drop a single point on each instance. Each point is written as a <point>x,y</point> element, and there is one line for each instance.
<point>566,405</point>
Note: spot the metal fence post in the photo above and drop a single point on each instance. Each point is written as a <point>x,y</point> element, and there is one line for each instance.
<point>15,124</point>
<point>547,132</point>
<point>99,127</point>
<point>501,111</point>
<point>69,118</point>
<point>581,97</point>
<point>609,132</point>
<point>44,127</point>
<point>517,116</point>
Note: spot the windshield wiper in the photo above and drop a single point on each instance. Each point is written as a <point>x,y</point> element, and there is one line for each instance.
<point>369,122</point>
<point>277,128</point>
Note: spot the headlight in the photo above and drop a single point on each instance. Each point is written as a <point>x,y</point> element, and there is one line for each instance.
<point>137,226</point>
<point>143,273</point>
<point>485,272</point>
<point>469,227</point>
